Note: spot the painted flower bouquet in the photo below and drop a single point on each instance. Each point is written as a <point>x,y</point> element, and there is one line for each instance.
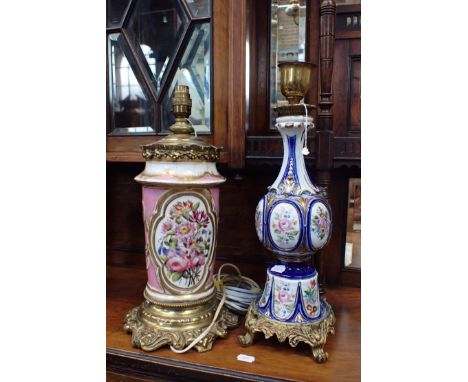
<point>285,227</point>
<point>310,297</point>
<point>320,223</point>
<point>185,242</point>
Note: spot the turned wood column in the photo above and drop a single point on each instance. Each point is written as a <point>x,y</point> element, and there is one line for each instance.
<point>236,82</point>
<point>325,115</point>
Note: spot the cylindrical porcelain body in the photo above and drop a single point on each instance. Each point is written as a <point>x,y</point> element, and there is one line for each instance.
<point>180,212</point>
<point>291,294</point>
<point>180,215</point>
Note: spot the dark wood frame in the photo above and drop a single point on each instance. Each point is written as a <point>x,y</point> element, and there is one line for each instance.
<point>226,16</point>
<point>341,161</point>
<point>261,141</point>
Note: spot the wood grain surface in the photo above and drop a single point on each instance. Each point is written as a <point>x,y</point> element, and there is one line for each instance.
<point>274,361</point>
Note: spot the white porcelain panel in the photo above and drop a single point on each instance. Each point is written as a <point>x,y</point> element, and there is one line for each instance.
<point>310,297</point>
<point>183,242</point>
<point>284,298</point>
<point>319,225</point>
<point>285,226</point>
<point>266,293</point>
<point>259,219</point>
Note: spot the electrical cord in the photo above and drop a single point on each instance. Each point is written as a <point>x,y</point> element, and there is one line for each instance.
<point>235,291</point>
<point>305,150</point>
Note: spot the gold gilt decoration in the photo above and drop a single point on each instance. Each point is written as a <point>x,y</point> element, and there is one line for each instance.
<point>181,145</point>
<point>314,334</point>
<point>152,327</point>
<point>297,109</point>
<point>174,153</point>
<point>296,81</point>
<point>289,185</point>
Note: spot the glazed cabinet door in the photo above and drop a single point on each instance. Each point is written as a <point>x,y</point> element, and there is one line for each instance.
<point>152,46</point>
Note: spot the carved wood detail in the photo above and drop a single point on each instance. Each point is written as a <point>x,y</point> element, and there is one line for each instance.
<point>271,147</point>
<point>347,148</point>
<point>325,114</point>
<point>354,93</point>
<point>324,139</point>
<point>348,21</point>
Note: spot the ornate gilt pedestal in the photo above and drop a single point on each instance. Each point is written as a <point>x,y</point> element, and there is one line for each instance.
<point>180,213</point>
<point>293,221</point>
<point>313,333</point>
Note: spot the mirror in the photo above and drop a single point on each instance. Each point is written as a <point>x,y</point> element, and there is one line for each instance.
<point>288,39</point>
<point>199,8</point>
<point>116,11</point>
<point>158,26</point>
<point>353,225</point>
<point>193,71</point>
<point>160,44</point>
<point>131,109</point>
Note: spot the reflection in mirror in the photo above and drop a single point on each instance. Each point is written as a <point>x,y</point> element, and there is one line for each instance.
<point>199,8</point>
<point>353,225</point>
<point>157,25</point>
<point>115,11</point>
<point>347,2</point>
<point>193,71</point>
<point>288,31</point>
<point>131,109</point>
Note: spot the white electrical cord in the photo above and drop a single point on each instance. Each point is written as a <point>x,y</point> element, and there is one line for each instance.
<point>240,290</point>
<point>305,150</point>
<point>235,297</point>
<point>194,130</point>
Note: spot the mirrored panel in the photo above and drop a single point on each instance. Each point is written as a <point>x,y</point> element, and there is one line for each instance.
<point>131,109</point>
<point>199,8</point>
<point>353,226</point>
<point>193,71</point>
<point>116,11</point>
<point>347,2</point>
<point>288,37</point>
<point>156,29</point>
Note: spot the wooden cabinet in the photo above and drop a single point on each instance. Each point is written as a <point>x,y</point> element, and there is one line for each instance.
<point>250,160</point>
<point>345,149</point>
<point>252,152</point>
<point>227,84</point>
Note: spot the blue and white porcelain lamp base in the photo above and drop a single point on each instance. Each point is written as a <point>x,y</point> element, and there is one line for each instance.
<point>293,221</point>
<point>291,308</point>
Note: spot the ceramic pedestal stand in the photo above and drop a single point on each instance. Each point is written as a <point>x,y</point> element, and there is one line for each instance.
<point>293,220</point>
<point>180,214</point>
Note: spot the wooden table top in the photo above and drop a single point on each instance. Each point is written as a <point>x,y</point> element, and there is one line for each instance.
<point>274,361</point>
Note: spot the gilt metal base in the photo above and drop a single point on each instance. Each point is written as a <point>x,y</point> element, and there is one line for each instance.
<point>314,334</point>
<point>153,326</point>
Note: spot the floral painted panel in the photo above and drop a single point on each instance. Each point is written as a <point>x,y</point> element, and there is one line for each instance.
<point>266,293</point>
<point>310,297</point>
<point>285,298</point>
<point>184,240</point>
<point>320,225</point>
<point>259,219</point>
<point>285,226</point>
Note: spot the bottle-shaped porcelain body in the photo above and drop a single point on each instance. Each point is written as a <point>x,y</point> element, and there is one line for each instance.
<point>293,220</point>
